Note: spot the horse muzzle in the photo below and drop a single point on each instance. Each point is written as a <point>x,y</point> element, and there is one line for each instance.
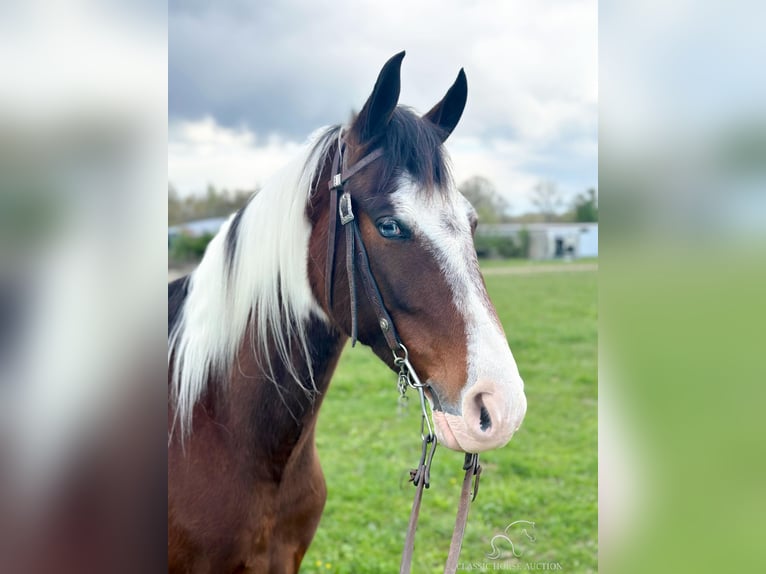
<point>488,416</point>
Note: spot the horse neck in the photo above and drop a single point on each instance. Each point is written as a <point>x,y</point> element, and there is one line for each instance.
<point>269,415</point>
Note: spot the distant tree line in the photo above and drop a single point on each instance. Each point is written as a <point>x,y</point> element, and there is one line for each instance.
<point>213,203</point>
<point>549,204</point>
<point>586,206</point>
<point>490,206</point>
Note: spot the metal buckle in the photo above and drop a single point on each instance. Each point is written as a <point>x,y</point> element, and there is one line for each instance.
<point>337,181</point>
<point>344,208</point>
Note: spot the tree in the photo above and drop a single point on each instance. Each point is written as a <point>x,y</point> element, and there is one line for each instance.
<point>213,203</point>
<point>585,206</point>
<point>175,206</point>
<point>547,198</point>
<point>490,206</point>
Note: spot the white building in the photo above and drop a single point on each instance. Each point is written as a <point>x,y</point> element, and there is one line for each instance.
<point>550,240</point>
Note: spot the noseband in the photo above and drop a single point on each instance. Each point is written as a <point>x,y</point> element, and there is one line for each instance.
<point>356,257</point>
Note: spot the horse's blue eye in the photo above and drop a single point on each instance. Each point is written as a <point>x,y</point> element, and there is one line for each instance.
<point>389,228</point>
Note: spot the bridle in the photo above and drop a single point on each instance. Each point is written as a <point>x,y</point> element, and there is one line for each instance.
<point>357,258</point>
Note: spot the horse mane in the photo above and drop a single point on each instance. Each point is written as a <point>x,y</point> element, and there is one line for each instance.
<point>254,273</point>
<point>414,146</point>
<point>255,270</point>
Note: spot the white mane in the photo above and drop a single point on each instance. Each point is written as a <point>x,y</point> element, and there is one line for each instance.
<point>266,284</point>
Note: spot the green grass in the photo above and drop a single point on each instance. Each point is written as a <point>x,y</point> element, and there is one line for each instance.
<point>495,263</point>
<point>547,474</point>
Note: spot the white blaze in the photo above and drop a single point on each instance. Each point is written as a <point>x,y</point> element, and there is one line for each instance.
<point>442,221</point>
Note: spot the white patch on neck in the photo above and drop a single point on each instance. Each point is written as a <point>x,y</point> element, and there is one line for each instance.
<point>441,220</point>
<point>267,287</point>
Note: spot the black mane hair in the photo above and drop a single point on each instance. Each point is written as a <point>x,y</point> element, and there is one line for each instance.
<point>414,145</point>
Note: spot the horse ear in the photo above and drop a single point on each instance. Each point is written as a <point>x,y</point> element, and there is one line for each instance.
<point>446,114</point>
<point>377,111</point>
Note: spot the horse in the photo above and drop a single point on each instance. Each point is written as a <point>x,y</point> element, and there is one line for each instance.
<point>256,330</point>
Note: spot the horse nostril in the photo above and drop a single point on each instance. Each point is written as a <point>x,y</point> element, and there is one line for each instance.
<point>485,421</point>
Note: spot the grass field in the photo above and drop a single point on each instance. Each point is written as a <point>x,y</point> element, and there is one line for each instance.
<point>546,475</point>
<point>501,263</point>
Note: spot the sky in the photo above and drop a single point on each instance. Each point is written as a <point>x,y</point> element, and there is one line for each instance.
<point>248,82</point>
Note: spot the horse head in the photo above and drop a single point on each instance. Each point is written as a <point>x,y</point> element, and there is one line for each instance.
<point>418,233</point>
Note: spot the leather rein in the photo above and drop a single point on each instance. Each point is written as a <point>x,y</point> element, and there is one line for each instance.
<point>357,259</point>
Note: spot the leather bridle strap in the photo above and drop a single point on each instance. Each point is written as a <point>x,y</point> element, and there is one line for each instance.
<point>472,474</point>
<point>370,286</point>
<point>355,249</point>
<point>356,255</point>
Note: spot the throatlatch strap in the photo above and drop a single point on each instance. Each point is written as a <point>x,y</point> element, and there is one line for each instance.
<point>351,279</point>
<point>331,247</point>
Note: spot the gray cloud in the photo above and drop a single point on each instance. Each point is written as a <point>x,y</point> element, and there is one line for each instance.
<point>285,68</point>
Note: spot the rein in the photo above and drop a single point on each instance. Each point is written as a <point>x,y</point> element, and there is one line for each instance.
<point>356,257</point>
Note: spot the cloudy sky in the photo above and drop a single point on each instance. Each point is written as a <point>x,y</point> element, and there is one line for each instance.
<point>249,81</point>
